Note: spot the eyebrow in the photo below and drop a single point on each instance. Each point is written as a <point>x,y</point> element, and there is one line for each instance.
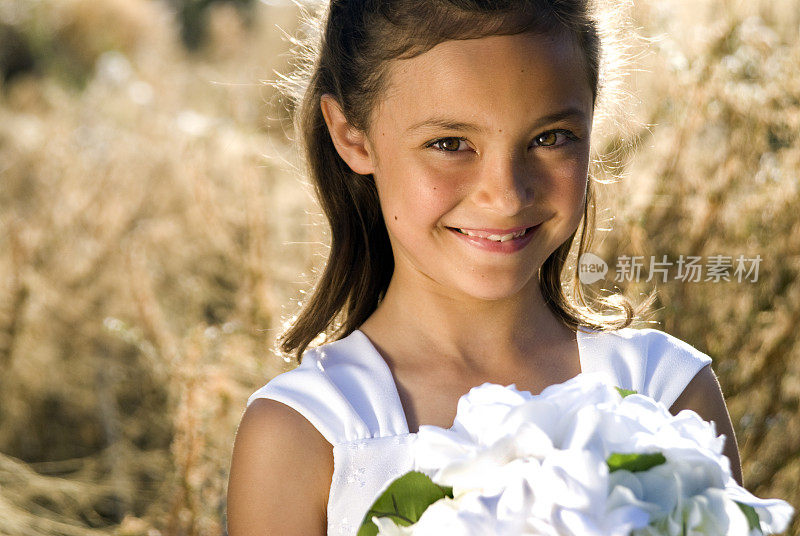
<point>451,124</point>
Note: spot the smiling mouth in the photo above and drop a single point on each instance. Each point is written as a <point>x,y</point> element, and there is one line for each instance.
<point>494,237</point>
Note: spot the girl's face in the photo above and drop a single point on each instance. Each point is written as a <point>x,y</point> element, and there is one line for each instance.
<point>480,154</point>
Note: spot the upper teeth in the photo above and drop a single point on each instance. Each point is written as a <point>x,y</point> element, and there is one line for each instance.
<point>494,237</point>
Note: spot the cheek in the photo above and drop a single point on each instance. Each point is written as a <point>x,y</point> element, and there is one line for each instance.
<point>566,183</point>
<point>417,195</point>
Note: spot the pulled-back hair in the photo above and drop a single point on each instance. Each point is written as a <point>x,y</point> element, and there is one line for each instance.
<point>346,53</point>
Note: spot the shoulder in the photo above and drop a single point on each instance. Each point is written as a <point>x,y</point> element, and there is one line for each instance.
<point>667,369</point>
<point>661,344</point>
<point>664,354</point>
<point>648,361</point>
<point>704,396</point>
<point>659,352</point>
<point>280,474</point>
<point>314,375</point>
<point>309,390</point>
<point>703,393</point>
<point>344,388</point>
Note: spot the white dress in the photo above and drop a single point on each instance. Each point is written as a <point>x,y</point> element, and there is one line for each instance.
<point>346,390</point>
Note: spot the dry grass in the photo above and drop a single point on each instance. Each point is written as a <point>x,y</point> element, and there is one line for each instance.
<point>153,233</point>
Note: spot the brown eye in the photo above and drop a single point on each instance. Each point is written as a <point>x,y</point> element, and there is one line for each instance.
<point>548,138</point>
<point>449,145</point>
<point>551,138</point>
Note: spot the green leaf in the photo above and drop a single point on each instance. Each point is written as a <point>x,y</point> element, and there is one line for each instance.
<point>634,462</point>
<point>625,392</point>
<point>751,515</point>
<point>404,501</point>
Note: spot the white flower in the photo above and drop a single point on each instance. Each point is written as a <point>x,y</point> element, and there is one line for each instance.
<point>676,499</point>
<point>473,453</point>
<point>774,514</point>
<point>564,496</point>
<point>638,424</point>
<point>554,410</point>
<point>483,408</point>
<point>472,514</point>
<point>539,465</point>
<point>573,497</point>
<point>386,526</point>
<point>502,443</point>
<point>711,513</point>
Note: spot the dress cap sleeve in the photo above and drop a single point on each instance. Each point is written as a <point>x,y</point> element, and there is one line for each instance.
<point>344,388</point>
<point>647,361</point>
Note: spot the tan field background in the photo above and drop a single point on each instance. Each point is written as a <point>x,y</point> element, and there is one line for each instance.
<point>154,233</point>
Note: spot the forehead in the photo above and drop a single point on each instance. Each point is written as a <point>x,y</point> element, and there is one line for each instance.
<point>488,79</point>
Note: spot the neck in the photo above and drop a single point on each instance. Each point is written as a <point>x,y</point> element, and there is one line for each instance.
<point>462,330</point>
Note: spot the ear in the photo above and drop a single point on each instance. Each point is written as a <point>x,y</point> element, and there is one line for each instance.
<point>351,144</point>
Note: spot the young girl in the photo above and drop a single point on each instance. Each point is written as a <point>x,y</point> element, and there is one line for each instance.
<point>449,143</point>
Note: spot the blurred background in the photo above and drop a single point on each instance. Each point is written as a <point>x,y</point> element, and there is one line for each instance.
<point>155,232</point>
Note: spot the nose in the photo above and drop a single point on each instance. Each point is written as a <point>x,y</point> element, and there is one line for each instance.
<point>504,185</point>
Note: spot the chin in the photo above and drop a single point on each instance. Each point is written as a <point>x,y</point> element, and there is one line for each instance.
<point>494,290</point>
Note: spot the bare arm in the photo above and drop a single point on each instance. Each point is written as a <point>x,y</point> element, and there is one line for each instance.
<point>280,475</point>
<point>704,396</point>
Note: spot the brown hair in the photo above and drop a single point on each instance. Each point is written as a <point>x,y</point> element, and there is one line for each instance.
<point>346,55</point>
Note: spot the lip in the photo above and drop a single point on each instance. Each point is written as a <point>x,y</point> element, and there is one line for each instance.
<point>509,246</point>
<point>487,231</point>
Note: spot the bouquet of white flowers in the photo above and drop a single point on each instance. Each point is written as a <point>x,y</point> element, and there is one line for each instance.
<point>581,458</point>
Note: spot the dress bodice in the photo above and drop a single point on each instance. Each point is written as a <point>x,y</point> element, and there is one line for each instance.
<point>347,391</point>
